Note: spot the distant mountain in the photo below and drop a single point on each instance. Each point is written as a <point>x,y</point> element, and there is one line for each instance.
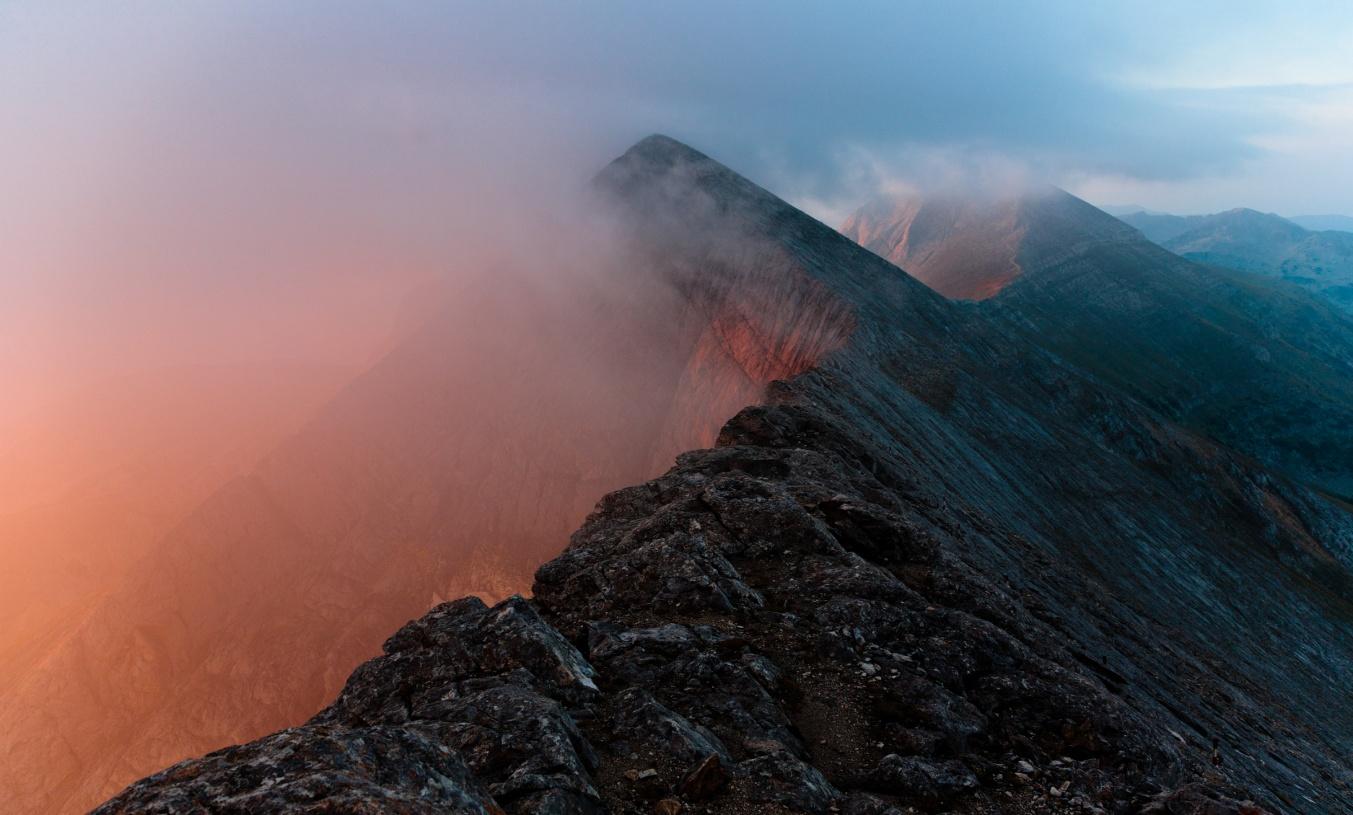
<point>1160,226</point>
<point>1256,364</point>
<point>1322,223</point>
<point>1250,241</point>
<point>1119,210</point>
<point>941,567</point>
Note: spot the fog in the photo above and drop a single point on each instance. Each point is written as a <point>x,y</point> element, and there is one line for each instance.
<point>235,181</point>
<point>314,353</point>
<point>310,317</point>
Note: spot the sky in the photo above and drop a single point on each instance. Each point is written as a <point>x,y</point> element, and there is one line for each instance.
<point>238,180</point>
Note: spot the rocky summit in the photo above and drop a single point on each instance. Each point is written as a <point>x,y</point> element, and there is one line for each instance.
<point>941,568</point>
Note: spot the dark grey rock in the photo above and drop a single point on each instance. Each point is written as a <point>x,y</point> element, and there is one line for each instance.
<point>928,783</point>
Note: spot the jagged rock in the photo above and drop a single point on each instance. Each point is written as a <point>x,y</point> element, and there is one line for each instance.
<point>525,746</point>
<point>919,702</point>
<point>489,682</point>
<point>780,778</point>
<point>705,780</point>
<point>459,648</point>
<point>316,769</point>
<point>641,720</point>
<point>928,783</point>
<point>1197,799</point>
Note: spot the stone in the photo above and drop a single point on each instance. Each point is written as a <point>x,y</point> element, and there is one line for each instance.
<point>706,780</point>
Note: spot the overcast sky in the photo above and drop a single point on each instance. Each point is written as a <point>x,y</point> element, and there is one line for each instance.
<point>238,148</point>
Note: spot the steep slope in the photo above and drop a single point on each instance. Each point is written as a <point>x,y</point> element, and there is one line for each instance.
<point>1319,261</point>
<point>942,569</point>
<point>457,464</point>
<point>1253,363</point>
<point>970,248</point>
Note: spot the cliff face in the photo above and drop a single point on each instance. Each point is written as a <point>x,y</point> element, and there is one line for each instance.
<point>943,243</point>
<point>940,568</point>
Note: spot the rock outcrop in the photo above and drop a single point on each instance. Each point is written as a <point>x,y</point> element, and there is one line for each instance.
<point>938,569</point>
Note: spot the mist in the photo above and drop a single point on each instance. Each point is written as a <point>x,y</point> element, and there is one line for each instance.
<point>235,181</point>
<point>320,352</point>
<point>311,314</point>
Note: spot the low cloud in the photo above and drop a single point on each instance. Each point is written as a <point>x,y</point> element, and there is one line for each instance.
<point>251,149</point>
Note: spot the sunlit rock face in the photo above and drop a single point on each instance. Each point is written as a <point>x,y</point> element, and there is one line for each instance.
<point>970,247</point>
<point>455,465</point>
<point>941,244</point>
<point>942,568</point>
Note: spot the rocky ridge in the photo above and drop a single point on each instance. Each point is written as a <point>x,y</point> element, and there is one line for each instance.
<point>765,628</point>
<point>938,570</point>
<point>435,473</point>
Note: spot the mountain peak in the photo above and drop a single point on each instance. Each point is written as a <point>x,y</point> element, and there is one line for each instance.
<point>661,147</point>
<point>1247,224</point>
<point>659,174</point>
<point>654,156</point>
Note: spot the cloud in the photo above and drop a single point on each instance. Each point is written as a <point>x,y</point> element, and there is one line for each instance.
<point>763,85</point>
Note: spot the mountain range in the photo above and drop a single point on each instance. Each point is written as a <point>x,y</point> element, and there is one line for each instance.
<point>1053,550</point>
<point>1318,260</point>
<point>1315,223</point>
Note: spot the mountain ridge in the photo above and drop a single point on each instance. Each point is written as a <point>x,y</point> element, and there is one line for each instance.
<point>435,473</point>
<point>940,567</point>
<point>1255,363</point>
